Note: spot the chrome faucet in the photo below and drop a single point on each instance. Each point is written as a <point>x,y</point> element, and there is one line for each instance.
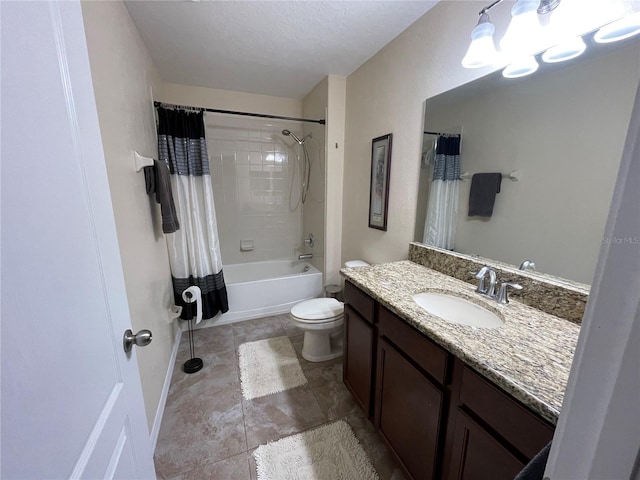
<point>305,256</point>
<point>528,265</point>
<point>482,273</point>
<point>503,296</point>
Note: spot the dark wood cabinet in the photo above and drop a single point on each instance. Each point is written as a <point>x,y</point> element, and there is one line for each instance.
<point>408,412</point>
<point>357,372</point>
<point>440,418</point>
<point>477,455</point>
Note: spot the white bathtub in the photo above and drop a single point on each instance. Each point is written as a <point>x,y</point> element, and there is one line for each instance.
<point>260,289</point>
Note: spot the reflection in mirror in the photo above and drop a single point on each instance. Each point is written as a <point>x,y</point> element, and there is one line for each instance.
<point>563,129</point>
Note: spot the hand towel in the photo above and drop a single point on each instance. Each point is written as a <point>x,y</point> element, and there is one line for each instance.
<point>157,180</point>
<point>484,187</point>
<point>534,470</point>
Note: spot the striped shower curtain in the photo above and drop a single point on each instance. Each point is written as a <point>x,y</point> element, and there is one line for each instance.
<point>194,249</point>
<point>442,211</point>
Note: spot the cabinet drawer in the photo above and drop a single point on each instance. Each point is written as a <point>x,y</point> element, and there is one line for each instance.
<point>425,353</point>
<point>359,301</point>
<point>523,429</point>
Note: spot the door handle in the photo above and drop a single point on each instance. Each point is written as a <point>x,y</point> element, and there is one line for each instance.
<point>141,339</point>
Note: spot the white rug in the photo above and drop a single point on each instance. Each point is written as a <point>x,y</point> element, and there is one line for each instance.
<point>326,453</point>
<point>269,366</point>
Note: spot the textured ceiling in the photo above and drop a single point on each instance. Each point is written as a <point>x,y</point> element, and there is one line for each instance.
<point>281,48</point>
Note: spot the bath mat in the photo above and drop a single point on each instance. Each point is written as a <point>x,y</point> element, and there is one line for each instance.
<point>328,452</point>
<point>269,366</point>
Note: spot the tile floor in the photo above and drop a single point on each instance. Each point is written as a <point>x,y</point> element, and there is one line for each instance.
<point>210,432</point>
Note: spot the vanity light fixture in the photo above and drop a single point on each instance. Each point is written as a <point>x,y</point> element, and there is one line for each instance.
<point>482,51</point>
<point>521,68</point>
<point>547,6</point>
<point>560,38</point>
<point>566,50</point>
<point>524,31</point>
<point>625,27</point>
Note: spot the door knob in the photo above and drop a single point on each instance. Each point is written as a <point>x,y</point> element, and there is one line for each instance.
<point>141,339</point>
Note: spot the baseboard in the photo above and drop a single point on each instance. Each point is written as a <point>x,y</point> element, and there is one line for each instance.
<point>165,392</point>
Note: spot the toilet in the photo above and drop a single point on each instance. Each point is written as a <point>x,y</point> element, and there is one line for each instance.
<point>321,320</point>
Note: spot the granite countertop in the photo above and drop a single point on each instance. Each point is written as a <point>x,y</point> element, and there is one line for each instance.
<point>529,356</point>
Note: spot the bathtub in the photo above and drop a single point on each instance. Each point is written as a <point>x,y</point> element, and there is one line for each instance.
<point>260,289</point>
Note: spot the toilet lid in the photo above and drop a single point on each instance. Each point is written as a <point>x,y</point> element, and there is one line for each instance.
<point>318,309</point>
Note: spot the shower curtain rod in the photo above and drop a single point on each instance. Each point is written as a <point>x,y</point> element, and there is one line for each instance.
<point>231,112</point>
<point>443,134</point>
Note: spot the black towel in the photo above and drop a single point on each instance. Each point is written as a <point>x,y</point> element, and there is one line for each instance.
<point>157,180</point>
<point>534,470</point>
<point>484,187</point>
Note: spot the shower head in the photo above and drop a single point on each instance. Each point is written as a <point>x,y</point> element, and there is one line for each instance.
<point>295,137</point>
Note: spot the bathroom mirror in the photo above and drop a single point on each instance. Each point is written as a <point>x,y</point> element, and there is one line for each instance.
<point>563,129</point>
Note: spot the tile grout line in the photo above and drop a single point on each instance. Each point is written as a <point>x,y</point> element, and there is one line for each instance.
<point>244,420</point>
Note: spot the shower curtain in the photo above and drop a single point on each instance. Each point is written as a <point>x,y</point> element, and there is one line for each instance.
<point>194,249</point>
<point>442,211</point>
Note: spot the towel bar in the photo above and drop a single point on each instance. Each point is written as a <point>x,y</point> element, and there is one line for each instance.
<point>515,175</point>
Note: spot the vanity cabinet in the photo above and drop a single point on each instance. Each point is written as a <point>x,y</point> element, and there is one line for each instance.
<point>359,342</point>
<point>409,395</point>
<point>494,436</point>
<point>476,454</point>
<point>440,418</point>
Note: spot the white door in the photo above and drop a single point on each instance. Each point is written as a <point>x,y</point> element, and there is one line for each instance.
<point>71,398</point>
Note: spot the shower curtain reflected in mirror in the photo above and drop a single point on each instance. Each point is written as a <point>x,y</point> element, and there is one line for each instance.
<point>442,210</point>
<point>194,249</point>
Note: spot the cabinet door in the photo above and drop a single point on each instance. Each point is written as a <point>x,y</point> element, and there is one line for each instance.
<point>477,455</point>
<point>357,369</point>
<point>408,412</point>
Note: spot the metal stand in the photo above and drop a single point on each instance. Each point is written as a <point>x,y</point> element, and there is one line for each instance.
<point>193,364</point>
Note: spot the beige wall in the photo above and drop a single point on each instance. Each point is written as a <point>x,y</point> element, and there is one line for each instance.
<point>386,95</point>
<point>123,75</point>
<point>229,100</point>
<point>564,129</point>
<point>335,174</point>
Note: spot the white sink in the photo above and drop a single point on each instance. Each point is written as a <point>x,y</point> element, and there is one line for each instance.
<point>457,310</point>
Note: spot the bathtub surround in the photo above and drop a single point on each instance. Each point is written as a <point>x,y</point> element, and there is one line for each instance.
<point>253,166</point>
<point>556,296</point>
<point>331,451</point>
<point>194,250</point>
<point>268,366</point>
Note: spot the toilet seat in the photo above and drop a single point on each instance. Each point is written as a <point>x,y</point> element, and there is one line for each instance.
<point>318,310</point>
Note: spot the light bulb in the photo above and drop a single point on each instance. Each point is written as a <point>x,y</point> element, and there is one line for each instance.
<point>566,50</point>
<point>619,30</point>
<point>523,34</point>
<point>520,68</point>
<point>482,51</point>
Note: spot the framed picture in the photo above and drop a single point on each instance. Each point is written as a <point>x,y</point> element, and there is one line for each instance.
<point>380,172</point>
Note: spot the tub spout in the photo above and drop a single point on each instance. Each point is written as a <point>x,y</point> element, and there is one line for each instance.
<point>305,256</point>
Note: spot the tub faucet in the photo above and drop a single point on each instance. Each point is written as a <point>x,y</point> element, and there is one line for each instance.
<point>309,240</point>
<point>305,256</point>
<point>491,290</point>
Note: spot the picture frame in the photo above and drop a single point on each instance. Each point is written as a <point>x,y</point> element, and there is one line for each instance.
<point>379,186</point>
